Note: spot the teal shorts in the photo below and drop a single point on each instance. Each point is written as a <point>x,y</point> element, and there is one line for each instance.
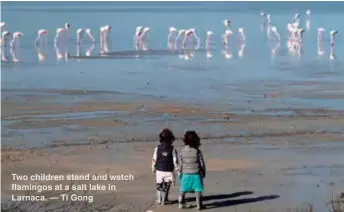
<point>191,183</point>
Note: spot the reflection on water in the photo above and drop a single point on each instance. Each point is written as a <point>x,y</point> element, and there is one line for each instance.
<point>41,55</point>
<point>332,53</point>
<point>241,50</point>
<point>308,25</point>
<point>227,53</point>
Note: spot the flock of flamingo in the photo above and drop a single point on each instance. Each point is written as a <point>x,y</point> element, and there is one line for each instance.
<point>182,39</point>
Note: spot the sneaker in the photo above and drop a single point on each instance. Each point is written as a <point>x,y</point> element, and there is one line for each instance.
<point>158,201</point>
<point>181,206</point>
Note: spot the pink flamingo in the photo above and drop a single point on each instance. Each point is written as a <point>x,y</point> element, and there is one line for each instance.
<point>40,33</point>
<point>188,35</point>
<point>15,39</point>
<point>172,30</point>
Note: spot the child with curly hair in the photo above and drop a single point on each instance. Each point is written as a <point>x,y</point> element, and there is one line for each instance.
<point>192,169</point>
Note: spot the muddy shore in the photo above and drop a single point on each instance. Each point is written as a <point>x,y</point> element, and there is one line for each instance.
<point>259,157</point>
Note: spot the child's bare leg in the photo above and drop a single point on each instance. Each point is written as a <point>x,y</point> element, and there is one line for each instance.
<point>199,200</point>
<point>168,186</point>
<point>158,195</point>
<point>181,200</point>
<point>163,197</point>
<point>164,193</point>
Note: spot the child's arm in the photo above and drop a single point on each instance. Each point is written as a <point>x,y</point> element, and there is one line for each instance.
<point>175,160</point>
<point>180,170</point>
<point>175,163</point>
<point>202,163</point>
<point>154,159</point>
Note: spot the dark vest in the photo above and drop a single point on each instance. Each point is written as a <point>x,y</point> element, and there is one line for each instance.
<point>164,161</point>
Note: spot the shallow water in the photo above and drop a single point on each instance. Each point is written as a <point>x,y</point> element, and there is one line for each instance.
<point>217,79</point>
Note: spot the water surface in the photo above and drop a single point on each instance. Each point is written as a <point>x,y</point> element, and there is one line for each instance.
<point>254,76</point>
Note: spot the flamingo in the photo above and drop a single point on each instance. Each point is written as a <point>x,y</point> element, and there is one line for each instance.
<point>171,31</point>
<point>137,36</point>
<point>227,23</point>
<point>332,37</point>
<point>3,26</point>
<point>181,33</point>
<point>15,38</point>
<point>4,36</point>
<point>241,34</point>
<point>40,33</point>
<point>3,41</point>
<point>104,33</point>
<point>59,32</point>
<point>188,34</point>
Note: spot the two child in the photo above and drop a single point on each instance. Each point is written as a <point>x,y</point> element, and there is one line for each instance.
<point>191,167</point>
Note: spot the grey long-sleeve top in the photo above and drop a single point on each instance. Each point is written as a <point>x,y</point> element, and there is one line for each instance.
<point>191,161</point>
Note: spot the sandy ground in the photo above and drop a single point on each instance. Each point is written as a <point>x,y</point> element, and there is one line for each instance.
<point>261,160</point>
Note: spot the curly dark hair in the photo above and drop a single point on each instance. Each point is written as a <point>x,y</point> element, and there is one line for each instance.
<point>192,139</point>
<point>166,136</point>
